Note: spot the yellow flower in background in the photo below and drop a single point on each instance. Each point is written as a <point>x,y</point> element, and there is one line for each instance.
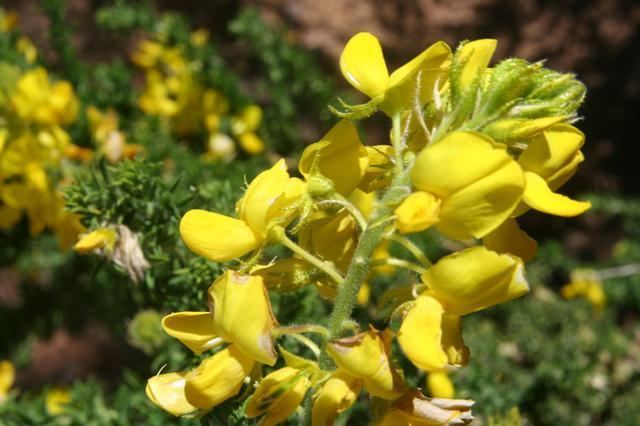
<point>7,378</point>
<point>111,140</point>
<point>586,283</point>
<point>167,391</point>
<point>244,127</point>
<point>440,385</point>
<point>363,66</point>
<point>230,297</point>
<point>366,356</point>
<point>38,100</point>
<point>216,379</point>
<point>339,156</point>
<point>101,238</point>
<point>550,160</point>
<point>278,395</point>
<point>57,399</point>
<point>337,394</point>
<point>28,50</point>
<point>9,20</point>
<point>267,201</point>
<point>478,183</point>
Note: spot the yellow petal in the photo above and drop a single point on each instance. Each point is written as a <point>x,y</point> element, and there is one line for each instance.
<point>242,314</point>
<point>268,197</point>
<point>56,400</point>
<point>251,143</point>
<point>417,212</point>
<point>341,157</point>
<point>509,238</point>
<point>509,129</point>
<point>100,238</point>
<point>194,329</point>
<point>539,196</point>
<point>363,66</point>
<point>337,394</point>
<point>278,395</point>
<point>474,279</point>
<point>7,377</point>
<point>217,237</point>
<point>420,74</point>
<point>167,392</point>
<point>551,151</point>
<point>475,56</point>
<point>378,173</point>
<point>440,385</point>
<point>452,342</point>
<point>366,356</point>
<point>217,378</point>
<point>332,238</point>
<point>420,335</point>
<point>478,182</point>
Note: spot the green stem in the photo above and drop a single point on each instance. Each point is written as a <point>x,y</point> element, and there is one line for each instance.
<point>410,245</point>
<point>369,239</point>
<point>400,263</point>
<point>281,237</point>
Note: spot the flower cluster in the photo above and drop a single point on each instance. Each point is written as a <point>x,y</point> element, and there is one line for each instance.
<point>172,90</point>
<point>472,148</point>
<point>35,149</point>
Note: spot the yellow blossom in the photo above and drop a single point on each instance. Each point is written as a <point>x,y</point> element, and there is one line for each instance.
<point>217,378</point>
<point>478,183</point>
<point>440,385</point>
<point>278,395</point>
<point>101,238</point>
<point>231,297</point>
<point>418,211</point>
<point>244,126</point>
<point>7,378</point>
<point>194,329</point>
<point>36,99</point>
<point>56,400</point>
<point>337,394</point>
<point>366,356</point>
<point>586,283</point>
<point>549,160</point>
<point>167,391</point>
<point>267,201</point>
<point>339,156</point>
<point>363,66</point>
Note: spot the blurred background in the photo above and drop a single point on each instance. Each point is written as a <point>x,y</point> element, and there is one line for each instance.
<point>542,360</point>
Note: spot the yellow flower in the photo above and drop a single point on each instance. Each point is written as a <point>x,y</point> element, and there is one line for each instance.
<point>199,37</point>
<point>430,338</point>
<point>27,49</point>
<point>336,395</point>
<point>338,156</point>
<point>458,284</point>
<point>363,66</point>
<point>509,238</point>
<point>366,356</point>
<point>586,283</point>
<point>217,378</point>
<point>56,400</point>
<point>101,238</point>
<point>278,395</point>
<point>549,161</point>
<point>7,377</point>
<point>417,212</point>
<point>440,385</point>
<point>194,329</point>
<point>167,391</point>
<point>244,126</point>
<point>478,183</point>
<point>9,20</point>
<point>147,54</point>
<point>415,409</point>
<point>231,298</point>
<point>267,202</point>
<point>36,99</point>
